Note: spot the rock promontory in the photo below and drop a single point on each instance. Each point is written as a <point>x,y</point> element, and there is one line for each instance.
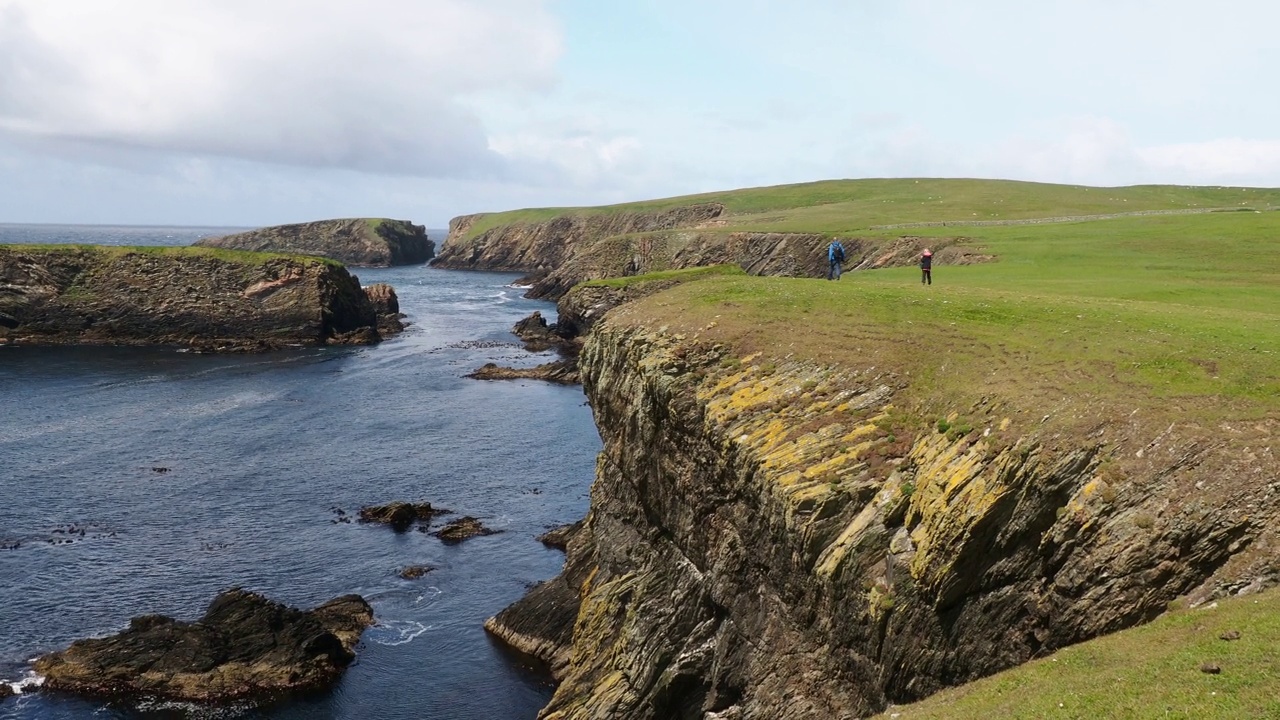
<point>376,242</point>
<point>199,297</point>
<point>245,646</point>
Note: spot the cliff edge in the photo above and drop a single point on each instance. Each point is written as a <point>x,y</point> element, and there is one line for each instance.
<point>361,242</point>
<point>816,529</point>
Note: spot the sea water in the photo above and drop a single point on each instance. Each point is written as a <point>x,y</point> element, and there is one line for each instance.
<point>139,481</point>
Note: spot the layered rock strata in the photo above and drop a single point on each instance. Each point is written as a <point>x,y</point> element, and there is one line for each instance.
<point>178,296</point>
<point>564,251</point>
<point>365,242</point>
<point>774,539</point>
<point>540,247</point>
<point>245,646</point>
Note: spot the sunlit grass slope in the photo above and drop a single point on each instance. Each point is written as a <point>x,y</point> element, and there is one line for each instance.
<point>844,206</point>
<point>1152,671</point>
<point>1167,311</point>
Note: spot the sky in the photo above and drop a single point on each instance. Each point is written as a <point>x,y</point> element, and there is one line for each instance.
<point>260,112</point>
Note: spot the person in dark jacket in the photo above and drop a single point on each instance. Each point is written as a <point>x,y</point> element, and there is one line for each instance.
<point>835,256</point>
<point>926,267</point>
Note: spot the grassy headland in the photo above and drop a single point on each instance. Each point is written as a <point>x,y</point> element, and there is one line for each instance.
<point>1164,311</point>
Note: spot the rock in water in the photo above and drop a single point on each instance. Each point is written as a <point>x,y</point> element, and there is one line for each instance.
<point>399,515</point>
<point>561,372</point>
<point>245,646</point>
<point>464,527</point>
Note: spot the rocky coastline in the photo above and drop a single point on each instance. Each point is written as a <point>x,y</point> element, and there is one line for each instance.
<point>361,242</point>
<point>204,299</point>
<point>761,544</point>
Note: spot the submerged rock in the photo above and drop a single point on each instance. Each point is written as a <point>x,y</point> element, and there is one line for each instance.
<point>413,572</point>
<point>245,646</point>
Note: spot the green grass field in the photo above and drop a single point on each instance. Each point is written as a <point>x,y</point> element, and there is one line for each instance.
<point>848,206</point>
<point>1152,671</point>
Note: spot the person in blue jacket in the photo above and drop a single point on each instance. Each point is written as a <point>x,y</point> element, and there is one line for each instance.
<point>835,256</point>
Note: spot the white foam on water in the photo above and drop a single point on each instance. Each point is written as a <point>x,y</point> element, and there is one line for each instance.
<point>195,710</point>
<point>30,681</point>
<point>396,632</point>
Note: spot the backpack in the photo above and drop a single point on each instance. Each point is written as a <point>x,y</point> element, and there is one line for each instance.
<point>837,252</point>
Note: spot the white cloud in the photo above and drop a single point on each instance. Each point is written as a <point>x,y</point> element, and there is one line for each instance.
<point>1229,160</point>
<point>380,86</point>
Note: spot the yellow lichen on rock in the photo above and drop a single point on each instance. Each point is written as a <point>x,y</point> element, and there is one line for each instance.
<point>955,486</point>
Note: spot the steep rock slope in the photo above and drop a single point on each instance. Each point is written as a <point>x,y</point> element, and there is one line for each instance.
<point>767,539</point>
<point>181,296</point>
<point>543,246</point>
<point>567,250</point>
<point>359,241</point>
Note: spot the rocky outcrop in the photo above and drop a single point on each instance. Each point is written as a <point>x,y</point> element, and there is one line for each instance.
<point>536,334</point>
<point>455,531</point>
<point>560,372</point>
<point>365,242</point>
<point>773,539</point>
<point>399,515</point>
<point>540,247</point>
<point>179,296</point>
<point>387,306</point>
<point>245,646</point>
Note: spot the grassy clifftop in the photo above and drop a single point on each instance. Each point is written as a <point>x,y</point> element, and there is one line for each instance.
<point>849,206</point>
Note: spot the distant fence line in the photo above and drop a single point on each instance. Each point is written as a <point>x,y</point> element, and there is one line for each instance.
<point>1066,218</point>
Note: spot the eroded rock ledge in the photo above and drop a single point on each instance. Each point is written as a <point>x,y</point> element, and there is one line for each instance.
<point>374,242</point>
<point>766,539</point>
<point>245,646</point>
<point>211,300</point>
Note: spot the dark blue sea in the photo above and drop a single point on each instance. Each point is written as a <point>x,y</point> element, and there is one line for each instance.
<point>140,481</point>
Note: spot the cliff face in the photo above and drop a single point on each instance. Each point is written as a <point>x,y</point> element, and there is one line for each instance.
<point>89,295</point>
<point>370,243</point>
<point>565,251</point>
<point>543,246</point>
<point>766,540</point>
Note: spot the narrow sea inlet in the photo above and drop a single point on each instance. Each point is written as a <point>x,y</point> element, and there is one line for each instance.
<point>146,481</point>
